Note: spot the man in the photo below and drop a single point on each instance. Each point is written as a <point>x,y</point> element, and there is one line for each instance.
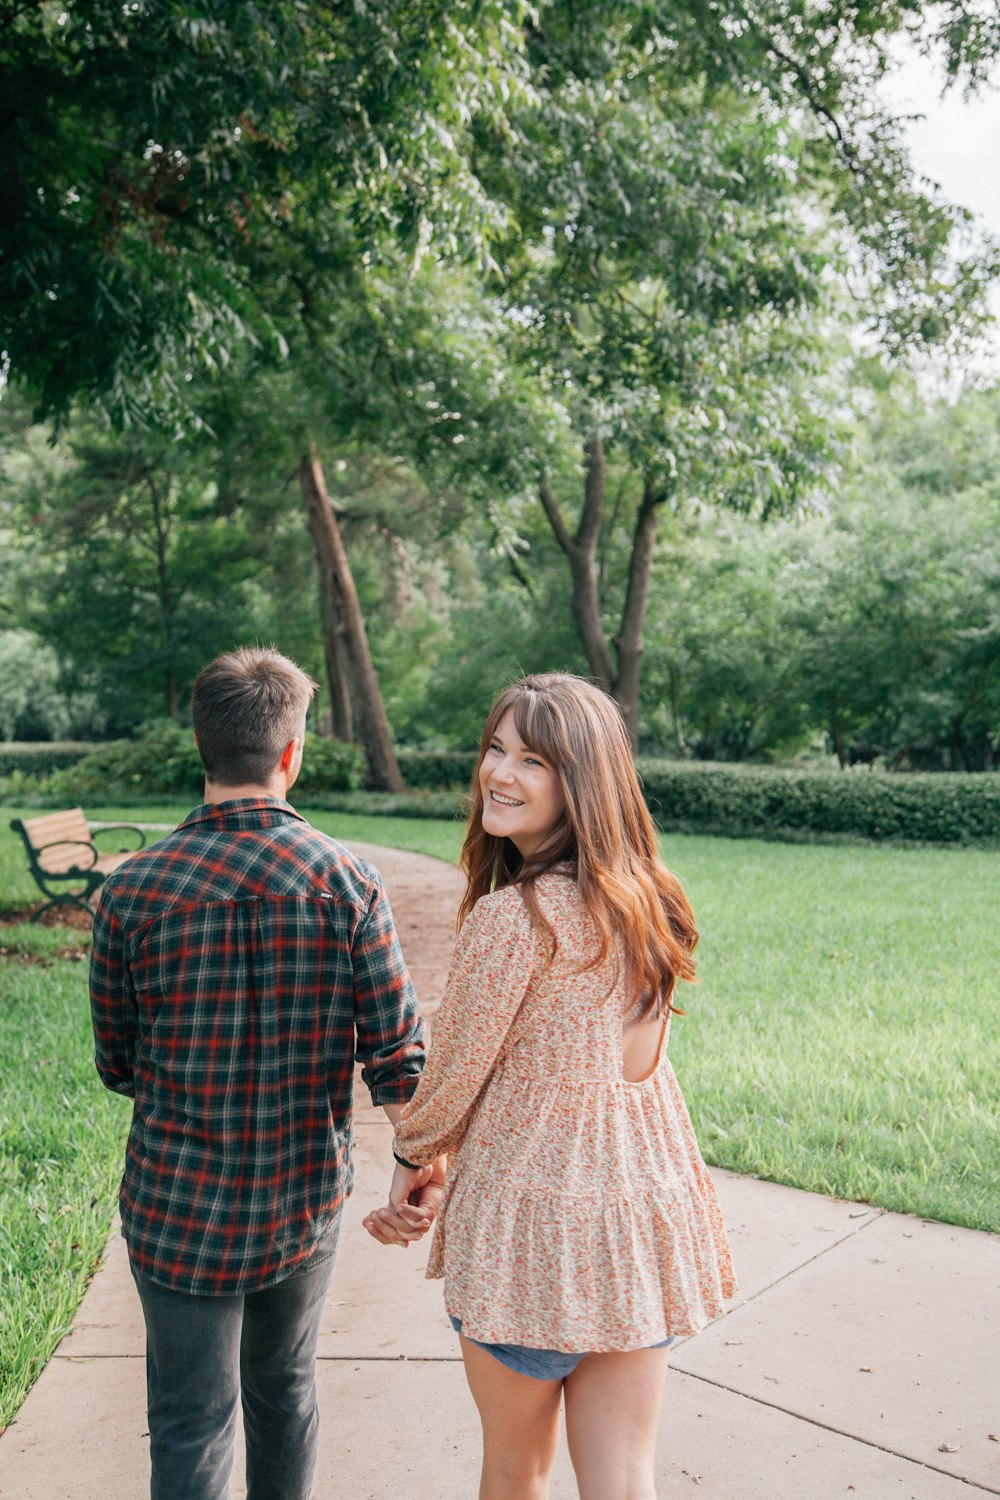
<point>237,967</point>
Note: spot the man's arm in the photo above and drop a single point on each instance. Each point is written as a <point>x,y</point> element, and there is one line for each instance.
<point>390,1033</point>
<point>112,1002</point>
<point>390,1047</point>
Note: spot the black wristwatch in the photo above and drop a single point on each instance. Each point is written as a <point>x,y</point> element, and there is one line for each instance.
<point>411,1166</point>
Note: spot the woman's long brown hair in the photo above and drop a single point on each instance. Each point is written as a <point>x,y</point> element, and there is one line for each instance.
<point>606,832</point>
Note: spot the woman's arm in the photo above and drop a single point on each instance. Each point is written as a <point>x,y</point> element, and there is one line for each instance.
<point>497,955</point>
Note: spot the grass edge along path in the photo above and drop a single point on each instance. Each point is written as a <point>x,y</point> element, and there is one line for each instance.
<point>62,1140</point>
<point>840,1040</point>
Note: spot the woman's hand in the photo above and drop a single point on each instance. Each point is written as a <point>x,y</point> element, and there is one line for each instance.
<point>414,1200</point>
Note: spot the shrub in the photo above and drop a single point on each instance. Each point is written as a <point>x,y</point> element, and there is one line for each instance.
<point>163,759</point>
<point>759,801</point>
<point>39,758</point>
<point>330,766</point>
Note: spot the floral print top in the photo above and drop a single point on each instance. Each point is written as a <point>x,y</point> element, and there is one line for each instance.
<point>578,1213</point>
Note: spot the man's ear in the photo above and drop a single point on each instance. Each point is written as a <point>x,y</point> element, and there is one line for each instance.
<point>288,754</point>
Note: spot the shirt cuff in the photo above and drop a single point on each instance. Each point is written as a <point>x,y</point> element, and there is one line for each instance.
<point>400,1091</point>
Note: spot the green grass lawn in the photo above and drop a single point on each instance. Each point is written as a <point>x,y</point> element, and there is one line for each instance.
<point>841,1039</point>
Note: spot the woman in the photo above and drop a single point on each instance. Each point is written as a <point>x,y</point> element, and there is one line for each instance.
<point>579,1231</point>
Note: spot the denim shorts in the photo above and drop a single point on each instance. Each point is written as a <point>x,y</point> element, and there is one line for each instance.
<point>540,1364</point>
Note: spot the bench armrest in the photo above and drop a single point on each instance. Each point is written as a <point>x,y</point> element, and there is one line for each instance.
<point>118,827</point>
<point>37,849</point>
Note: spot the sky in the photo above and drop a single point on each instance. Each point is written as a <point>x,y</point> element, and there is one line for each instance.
<point>956,144</point>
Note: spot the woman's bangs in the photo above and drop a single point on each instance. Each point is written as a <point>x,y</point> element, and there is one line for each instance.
<point>538,726</point>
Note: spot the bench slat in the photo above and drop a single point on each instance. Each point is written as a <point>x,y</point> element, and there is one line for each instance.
<point>55,826</point>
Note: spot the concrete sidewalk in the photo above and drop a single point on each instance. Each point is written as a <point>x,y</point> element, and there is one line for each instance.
<point>861,1358</point>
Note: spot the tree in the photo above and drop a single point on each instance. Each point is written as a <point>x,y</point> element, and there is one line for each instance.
<point>144,576</point>
<point>898,604</point>
<point>158,165</point>
<point>354,685</point>
<point>724,677</point>
<point>180,188</point>
<point>874,628</point>
<point>34,703</point>
<point>663,286</point>
<point>635,178</point>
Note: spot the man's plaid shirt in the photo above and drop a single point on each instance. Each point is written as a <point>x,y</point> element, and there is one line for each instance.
<point>237,967</point>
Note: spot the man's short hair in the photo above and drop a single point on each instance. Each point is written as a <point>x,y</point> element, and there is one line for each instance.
<point>245,707</point>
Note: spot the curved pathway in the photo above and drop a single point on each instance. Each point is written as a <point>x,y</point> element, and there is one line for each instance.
<point>859,1360</point>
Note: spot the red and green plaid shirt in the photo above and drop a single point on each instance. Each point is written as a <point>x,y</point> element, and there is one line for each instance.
<point>238,966</point>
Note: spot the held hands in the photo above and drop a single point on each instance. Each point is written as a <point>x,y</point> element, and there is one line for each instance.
<point>414,1200</point>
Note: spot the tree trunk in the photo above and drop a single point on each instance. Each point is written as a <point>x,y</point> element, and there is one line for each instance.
<point>338,673</point>
<point>839,741</point>
<point>629,642</point>
<point>374,733</point>
<point>581,554</point>
<point>161,522</point>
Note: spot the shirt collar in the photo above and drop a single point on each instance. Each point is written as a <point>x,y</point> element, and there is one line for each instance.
<point>242,812</point>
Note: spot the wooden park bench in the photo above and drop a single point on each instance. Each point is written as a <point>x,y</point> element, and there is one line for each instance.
<point>62,852</point>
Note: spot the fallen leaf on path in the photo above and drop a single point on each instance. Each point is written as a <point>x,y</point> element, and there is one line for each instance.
<point>867,1369</point>
<point>949,1447</point>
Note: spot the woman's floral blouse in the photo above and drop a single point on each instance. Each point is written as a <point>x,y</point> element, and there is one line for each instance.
<point>578,1213</point>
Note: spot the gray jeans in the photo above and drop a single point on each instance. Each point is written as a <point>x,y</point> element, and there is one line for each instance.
<point>205,1354</point>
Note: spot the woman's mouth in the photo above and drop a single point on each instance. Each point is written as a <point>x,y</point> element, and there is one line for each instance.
<point>505,801</point>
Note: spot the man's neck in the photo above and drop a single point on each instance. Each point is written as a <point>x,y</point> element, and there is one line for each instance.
<point>215,793</point>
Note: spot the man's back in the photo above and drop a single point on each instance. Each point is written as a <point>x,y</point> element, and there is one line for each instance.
<point>235,962</point>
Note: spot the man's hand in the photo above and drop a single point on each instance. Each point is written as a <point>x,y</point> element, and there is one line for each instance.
<point>414,1200</point>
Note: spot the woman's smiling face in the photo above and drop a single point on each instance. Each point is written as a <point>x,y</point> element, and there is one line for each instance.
<point>522,794</point>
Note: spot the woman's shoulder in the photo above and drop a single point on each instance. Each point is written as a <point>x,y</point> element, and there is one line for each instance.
<point>498,911</point>
<point>497,932</point>
<point>506,908</point>
<point>559,883</point>
<point>558,890</point>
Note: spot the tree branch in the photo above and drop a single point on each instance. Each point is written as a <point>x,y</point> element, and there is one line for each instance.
<point>554,515</point>
<point>593,496</point>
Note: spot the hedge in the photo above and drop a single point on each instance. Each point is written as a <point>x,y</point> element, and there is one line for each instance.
<point>779,803</point>
<point>765,801</point>
<point>688,796</point>
<point>437,770</point>
<point>40,759</point>
<point>450,805</point>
